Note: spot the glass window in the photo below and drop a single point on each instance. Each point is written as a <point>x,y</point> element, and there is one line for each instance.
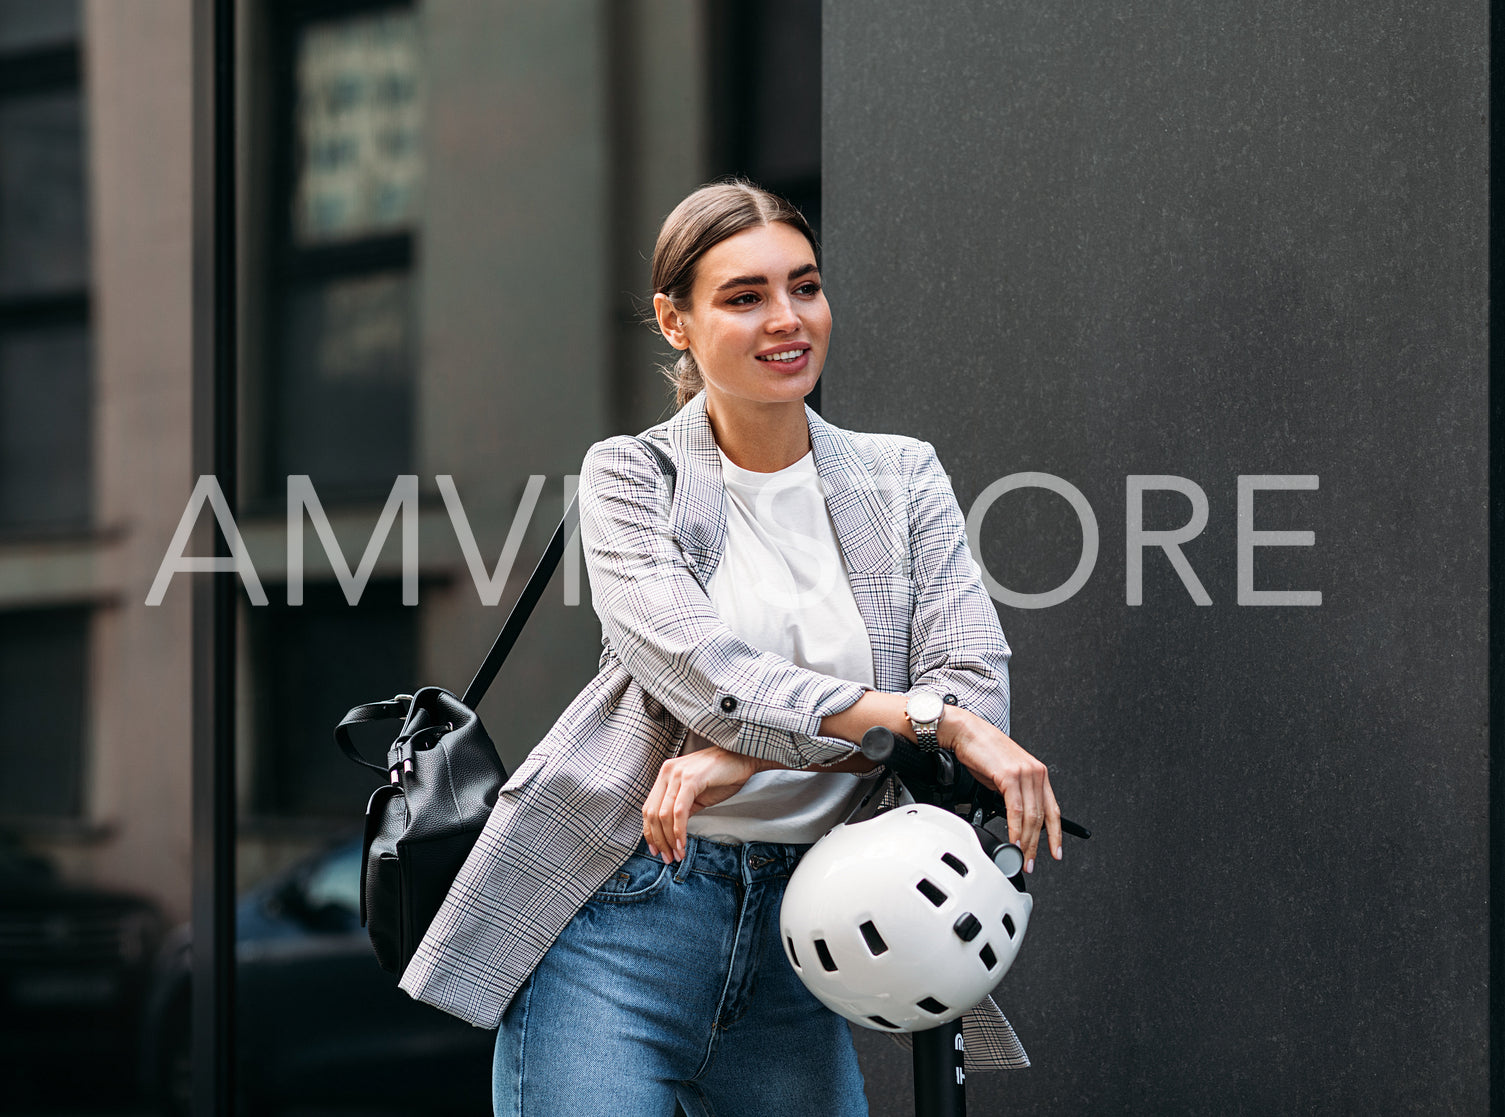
<point>349,160</point>
<point>346,383</point>
<point>32,24</point>
<point>45,427</point>
<point>311,664</point>
<point>46,395</point>
<point>44,241</point>
<point>765,96</point>
<point>43,664</point>
<point>359,110</point>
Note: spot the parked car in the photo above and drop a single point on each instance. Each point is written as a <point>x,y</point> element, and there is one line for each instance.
<point>74,964</point>
<point>318,1022</point>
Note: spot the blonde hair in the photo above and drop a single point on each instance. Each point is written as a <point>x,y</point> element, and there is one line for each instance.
<point>699,223</point>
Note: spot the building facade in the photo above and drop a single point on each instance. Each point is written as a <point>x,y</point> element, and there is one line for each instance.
<point>446,214</point>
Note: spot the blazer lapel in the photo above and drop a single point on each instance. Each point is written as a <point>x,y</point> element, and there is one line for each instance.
<point>698,513</point>
<point>859,506</point>
<point>874,546</point>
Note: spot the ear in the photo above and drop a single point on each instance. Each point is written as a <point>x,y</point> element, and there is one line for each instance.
<point>671,323</point>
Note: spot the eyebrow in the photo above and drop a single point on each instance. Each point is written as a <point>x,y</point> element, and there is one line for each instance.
<point>762,280</point>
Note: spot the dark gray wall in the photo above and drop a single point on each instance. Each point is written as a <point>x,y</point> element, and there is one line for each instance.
<point>1205,239</point>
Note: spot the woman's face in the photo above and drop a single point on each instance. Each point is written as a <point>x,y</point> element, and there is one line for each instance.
<point>758,322</point>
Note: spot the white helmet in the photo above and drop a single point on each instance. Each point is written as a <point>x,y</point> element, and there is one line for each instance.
<point>902,922</point>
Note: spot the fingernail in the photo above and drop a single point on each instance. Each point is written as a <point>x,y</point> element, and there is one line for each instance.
<point>1029,866</point>
<point>1058,853</point>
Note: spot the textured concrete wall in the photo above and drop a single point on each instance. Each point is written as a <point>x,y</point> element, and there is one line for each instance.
<point>1209,241</point>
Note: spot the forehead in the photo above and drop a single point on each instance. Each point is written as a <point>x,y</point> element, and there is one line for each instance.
<point>772,251</point>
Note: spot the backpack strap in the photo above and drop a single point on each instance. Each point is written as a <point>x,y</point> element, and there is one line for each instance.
<point>538,581</point>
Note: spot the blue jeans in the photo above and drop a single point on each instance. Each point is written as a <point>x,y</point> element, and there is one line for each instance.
<point>671,982</point>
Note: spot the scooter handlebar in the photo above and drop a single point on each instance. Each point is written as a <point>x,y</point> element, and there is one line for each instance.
<point>922,768</point>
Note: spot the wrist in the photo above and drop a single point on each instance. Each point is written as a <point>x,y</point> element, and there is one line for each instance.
<point>957,725</point>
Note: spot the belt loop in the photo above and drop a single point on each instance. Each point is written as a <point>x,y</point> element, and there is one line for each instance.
<point>687,862</point>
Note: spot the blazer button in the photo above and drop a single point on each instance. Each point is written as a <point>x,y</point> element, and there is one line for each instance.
<point>728,703</point>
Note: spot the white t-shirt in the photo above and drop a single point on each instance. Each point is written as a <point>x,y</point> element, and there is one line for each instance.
<point>782,587</point>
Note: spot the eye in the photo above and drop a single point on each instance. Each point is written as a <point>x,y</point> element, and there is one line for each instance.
<point>739,299</point>
<point>808,289</point>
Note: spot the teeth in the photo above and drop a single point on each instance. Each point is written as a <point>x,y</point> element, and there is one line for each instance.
<point>787,355</point>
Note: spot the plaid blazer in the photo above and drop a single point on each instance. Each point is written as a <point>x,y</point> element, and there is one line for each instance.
<point>571,813</point>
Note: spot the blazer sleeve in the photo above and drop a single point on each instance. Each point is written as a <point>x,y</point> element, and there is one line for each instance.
<point>956,644</point>
<point>668,635</point>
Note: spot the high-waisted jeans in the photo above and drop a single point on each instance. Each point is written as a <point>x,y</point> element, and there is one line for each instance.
<point>672,982</point>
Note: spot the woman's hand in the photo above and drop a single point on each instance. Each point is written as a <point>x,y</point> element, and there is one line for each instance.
<point>986,751</point>
<point>686,785</point>
<point>999,762</point>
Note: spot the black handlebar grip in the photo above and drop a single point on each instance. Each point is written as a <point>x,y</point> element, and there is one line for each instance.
<point>878,744</point>
<point>907,760</point>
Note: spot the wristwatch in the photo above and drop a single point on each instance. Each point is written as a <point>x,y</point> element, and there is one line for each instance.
<point>924,711</point>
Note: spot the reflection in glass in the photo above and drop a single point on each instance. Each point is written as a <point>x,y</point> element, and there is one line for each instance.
<point>74,963</point>
<point>345,385</point>
<point>44,240</point>
<point>359,115</point>
<point>319,1024</point>
<point>311,663</point>
<point>45,426</point>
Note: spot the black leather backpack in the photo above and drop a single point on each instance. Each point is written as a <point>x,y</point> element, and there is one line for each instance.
<point>442,776</point>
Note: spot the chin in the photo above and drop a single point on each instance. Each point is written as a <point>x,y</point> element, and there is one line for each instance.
<point>796,389</point>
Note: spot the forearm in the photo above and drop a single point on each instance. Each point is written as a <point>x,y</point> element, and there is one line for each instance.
<point>876,707</point>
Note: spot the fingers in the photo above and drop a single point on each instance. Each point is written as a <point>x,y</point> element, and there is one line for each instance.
<point>652,828</point>
<point>1052,820</point>
<point>669,827</point>
<point>1034,813</point>
<point>679,816</point>
<point>1013,799</point>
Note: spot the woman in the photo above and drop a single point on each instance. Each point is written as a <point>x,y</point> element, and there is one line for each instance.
<point>786,587</point>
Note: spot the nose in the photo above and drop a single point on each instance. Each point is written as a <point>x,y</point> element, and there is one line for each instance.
<point>783,315</point>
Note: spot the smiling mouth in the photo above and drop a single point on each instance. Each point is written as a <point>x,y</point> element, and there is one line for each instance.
<point>786,355</point>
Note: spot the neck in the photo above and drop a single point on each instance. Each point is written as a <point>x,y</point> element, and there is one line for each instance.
<point>761,437</point>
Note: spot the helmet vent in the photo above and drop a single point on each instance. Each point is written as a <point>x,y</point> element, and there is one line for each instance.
<point>793,957</point>
<point>882,1023</point>
<point>956,863</point>
<point>874,940</point>
<point>989,959</point>
<point>1008,924</point>
<point>930,1004</point>
<point>827,962</point>
<point>931,892</point>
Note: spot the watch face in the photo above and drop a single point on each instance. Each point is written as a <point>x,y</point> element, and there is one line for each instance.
<point>924,706</point>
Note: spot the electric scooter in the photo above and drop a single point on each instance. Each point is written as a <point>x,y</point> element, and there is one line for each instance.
<point>937,778</point>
